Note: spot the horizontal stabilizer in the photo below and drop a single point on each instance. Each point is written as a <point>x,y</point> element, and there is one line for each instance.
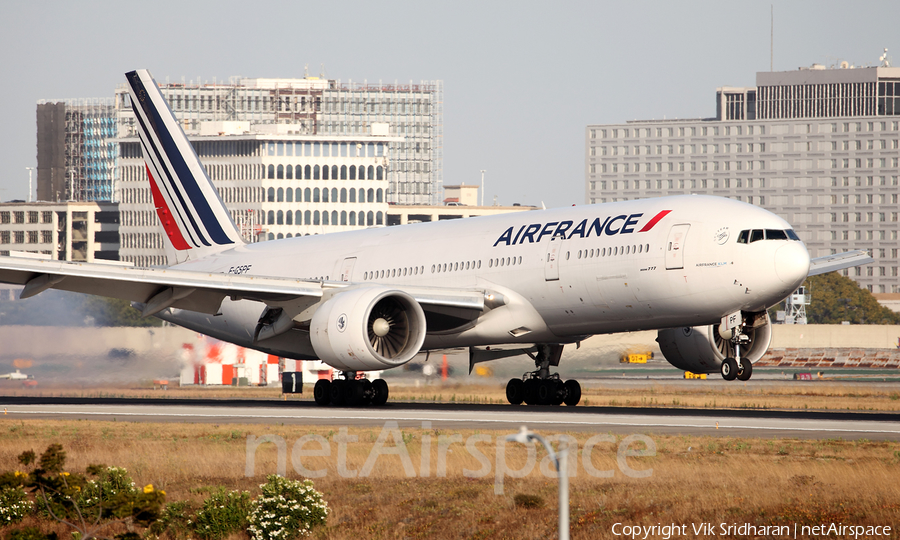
<point>839,261</point>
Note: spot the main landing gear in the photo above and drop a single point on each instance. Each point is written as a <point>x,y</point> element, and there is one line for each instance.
<point>736,367</point>
<point>350,391</point>
<point>540,387</point>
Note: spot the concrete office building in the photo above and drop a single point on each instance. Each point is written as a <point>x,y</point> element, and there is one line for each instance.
<point>275,185</point>
<point>818,146</point>
<point>69,231</point>
<point>76,150</point>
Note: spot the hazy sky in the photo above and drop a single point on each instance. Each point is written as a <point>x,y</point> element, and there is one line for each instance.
<point>521,79</point>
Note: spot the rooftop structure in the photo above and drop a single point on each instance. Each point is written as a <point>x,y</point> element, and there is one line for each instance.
<point>410,114</point>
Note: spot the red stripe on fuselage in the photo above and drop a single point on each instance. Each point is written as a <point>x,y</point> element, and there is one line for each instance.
<point>165,216</point>
<point>654,221</point>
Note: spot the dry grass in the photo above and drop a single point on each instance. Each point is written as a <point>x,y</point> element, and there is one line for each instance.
<point>694,479</point>
<point>815,395</point>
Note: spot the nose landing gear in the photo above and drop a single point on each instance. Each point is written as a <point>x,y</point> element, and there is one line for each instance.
<point>736,367</point>
<point>540,387</point>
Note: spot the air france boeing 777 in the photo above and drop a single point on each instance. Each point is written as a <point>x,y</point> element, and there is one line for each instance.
<point>702,270</point>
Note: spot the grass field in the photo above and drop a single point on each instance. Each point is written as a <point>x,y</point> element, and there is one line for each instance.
<point>691,479</point>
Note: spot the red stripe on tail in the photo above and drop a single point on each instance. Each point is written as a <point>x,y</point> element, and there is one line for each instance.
<point>655,220</point>
<point>165,216</point>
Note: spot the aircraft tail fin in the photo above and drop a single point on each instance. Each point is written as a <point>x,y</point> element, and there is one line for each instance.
<point>195,221</point>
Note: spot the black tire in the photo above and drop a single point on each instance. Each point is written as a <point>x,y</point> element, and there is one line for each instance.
<point>322,392</point>
<point>545,392</point>
<point>515,391</point>
<point>573,393</point>
<point>367,392</point>
<point>529,391</point>
<point>380,390</point>
<point>745,371</point>
<point>338,392</point>
<point>353,393</point>
<point>729,369</point>
<point>559,393</point>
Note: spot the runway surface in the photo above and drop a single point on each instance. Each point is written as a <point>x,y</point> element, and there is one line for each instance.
<point>737,423</point>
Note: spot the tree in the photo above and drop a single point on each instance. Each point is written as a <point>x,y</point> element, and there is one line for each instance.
<point>836,298</point>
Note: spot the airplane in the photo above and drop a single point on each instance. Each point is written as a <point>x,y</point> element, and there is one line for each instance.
<point>701,270</point>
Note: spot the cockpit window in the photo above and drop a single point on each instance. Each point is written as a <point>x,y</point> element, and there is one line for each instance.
<point>748,236</point>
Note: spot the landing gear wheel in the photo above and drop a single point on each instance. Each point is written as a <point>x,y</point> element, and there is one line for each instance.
<point>745,370</point>
<point>353,393</point>
<point>530,391</point>
<point>338,393</point>
<point>322,392</point>
<point>515,391</point>
<point>573,393</point>
<point>380,391</point>
<point>559,393</point>
<point>729,369</point>
<point>545,392</point>
<point>367,392</point>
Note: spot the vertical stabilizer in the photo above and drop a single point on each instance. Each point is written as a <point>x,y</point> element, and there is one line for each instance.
<point>195,221</point>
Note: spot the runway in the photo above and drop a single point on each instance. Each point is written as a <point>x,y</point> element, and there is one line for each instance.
<point>723,423</point>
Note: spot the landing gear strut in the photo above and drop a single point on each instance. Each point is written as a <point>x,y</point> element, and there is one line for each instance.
<point>350,391</point>
<point>540,387</point>
<point>737,367</point>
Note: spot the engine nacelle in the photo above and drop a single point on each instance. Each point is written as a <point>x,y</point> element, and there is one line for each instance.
<point>368,328</point>
<point>700,349</point>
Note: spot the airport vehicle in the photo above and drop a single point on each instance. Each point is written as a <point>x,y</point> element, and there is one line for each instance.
<point>702,270</point>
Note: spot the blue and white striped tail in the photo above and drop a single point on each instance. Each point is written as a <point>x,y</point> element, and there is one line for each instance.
<point>193,216</point>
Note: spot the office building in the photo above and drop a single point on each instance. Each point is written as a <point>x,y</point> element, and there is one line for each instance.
<point>818,146</point>
<point>275,185</point>
<point>68,231</point>
<point>76,150</point>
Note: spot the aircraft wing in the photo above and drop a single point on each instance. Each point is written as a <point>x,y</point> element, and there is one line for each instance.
<point>160,288</point>
<point>838,261</point>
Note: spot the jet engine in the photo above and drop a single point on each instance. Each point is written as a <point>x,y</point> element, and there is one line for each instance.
<point>367,328</point>
<point>701,349</point>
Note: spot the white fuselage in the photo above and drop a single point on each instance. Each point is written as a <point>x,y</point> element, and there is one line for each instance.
<point>686,269</point>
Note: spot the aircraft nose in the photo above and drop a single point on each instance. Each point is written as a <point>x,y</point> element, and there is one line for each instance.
<point>792,262</point>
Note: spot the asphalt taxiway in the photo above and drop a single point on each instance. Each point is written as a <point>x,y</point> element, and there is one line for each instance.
<point>716,422</point>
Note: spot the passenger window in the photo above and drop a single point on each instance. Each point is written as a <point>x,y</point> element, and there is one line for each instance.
<point>756,235</point>
<point>744,236</point>
<point>775,234</point>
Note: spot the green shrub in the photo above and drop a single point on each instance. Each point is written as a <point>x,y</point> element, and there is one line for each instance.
<point>14,505</point>
<point>286,509</point>
<point>174,521</point>
<point>223,513</point>
<point>112,484</point>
